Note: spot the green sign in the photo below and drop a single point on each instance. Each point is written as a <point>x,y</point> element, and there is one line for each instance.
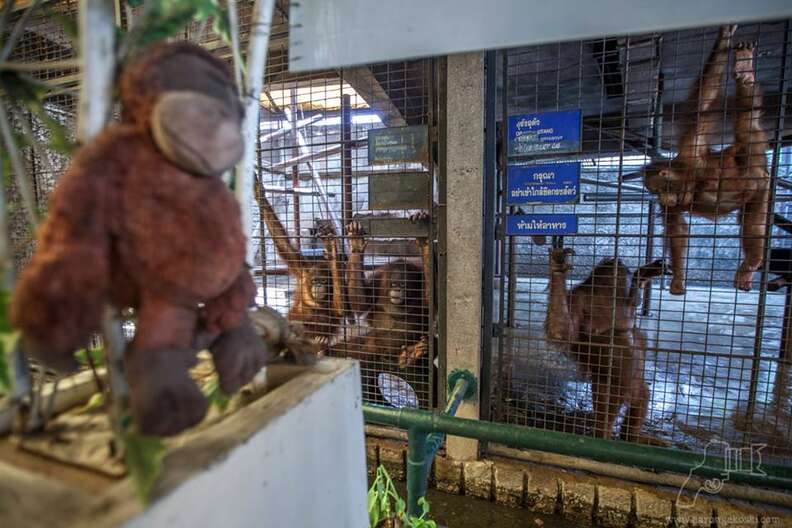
<point>405,190</point>
<point>398,145</point>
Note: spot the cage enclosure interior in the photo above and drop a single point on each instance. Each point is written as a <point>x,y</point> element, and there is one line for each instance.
<point>649,303</point>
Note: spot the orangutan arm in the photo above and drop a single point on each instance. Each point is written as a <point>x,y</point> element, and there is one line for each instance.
<point>283,245</point>
<point>562,319</point>
<point>358,291</point>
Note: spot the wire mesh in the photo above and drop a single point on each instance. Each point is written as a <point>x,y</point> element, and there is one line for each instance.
<point>595,343</point>
<point>313,169</point>
<point>365,296</point>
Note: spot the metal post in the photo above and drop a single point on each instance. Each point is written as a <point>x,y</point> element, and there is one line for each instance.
<point>442,225</point>
<point>780,386</point>
<point>488,233</point>
<point>646,303</point>
<point>262,235</point>
<point>296,168</point>
<point>760,313</point>
<point>346,158</point>
<point>501,232</point>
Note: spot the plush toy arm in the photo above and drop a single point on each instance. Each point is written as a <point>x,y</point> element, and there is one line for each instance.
<point>226,311</point>
<point>60,295</point>
<point>58,302</point>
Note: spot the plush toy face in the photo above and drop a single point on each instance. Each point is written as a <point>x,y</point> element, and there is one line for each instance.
<point>187,100</point>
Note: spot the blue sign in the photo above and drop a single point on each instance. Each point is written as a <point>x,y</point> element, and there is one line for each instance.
<point>541,224</point>
<point>556,183</point>
<point>544,133</point>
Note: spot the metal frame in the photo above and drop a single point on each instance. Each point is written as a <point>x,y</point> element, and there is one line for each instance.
<point>500,326</point>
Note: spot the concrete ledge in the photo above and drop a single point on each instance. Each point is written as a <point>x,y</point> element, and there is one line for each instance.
<point>477,479</point>
<point>542,492</point>
<point>448,475</point>
<point>393,456</point>
<point>583,499</point>
<point>651,510</point>
<point>509,485</point>
<point>614,507</point>
<point>577,501</point>
<point>372,458</point>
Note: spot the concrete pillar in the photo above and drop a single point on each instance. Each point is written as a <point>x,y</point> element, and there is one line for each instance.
<point>464,199</point>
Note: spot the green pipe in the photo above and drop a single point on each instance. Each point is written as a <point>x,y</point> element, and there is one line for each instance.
<point>421,450</point>
<point>435,440</point>
<point>624,453</point>
<point>416,469</point>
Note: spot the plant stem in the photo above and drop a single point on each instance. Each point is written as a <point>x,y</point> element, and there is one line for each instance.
<point>40,65</point>
<point>17,31</point>
<point>23,182</point>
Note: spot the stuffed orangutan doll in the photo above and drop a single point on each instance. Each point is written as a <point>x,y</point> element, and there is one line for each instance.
<point>142,219</point>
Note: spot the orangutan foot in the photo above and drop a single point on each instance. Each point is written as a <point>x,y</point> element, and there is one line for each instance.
<point>677,286</point>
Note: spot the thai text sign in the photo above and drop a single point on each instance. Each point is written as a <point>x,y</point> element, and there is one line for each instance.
<point>536,184</point>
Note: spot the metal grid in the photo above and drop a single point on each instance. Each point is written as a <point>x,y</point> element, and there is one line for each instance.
<point>42,40</point>
<point>314,172</point>
<point>716,363</point>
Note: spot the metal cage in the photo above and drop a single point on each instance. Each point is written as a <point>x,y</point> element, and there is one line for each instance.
<point>716,361</point>
<point>318,175</point>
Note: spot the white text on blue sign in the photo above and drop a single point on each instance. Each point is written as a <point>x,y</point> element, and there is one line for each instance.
<point>544,133</point>
<point>536,184</point>
<point>541,224</point>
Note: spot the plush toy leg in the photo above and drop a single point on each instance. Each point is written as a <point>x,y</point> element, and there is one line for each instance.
<point>238,355</point>
<point>164,399</point>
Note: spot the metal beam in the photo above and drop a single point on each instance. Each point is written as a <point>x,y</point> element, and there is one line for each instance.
<point>364,82</point>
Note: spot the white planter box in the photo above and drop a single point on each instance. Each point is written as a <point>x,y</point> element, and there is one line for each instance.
<point>294,458</point>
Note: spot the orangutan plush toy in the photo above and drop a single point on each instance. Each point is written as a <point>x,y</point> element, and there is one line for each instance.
<point>142,219</point>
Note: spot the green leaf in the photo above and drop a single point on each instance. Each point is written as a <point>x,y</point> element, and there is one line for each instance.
<point>5,322</point>
<point>134,3</point>
<point>5,377</point>
<point>68,25</point>
<point>143,459</point>
<point>216,396</point>
<point>164,21</point>
<point>97,355</point>
<point>95,402</point>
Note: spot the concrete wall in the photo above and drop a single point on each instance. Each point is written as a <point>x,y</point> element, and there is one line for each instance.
<point>464,196</point>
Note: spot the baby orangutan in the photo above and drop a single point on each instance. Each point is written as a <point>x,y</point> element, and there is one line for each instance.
<point>711,184</point>
<point>595,325</point>
<point>319,303</point>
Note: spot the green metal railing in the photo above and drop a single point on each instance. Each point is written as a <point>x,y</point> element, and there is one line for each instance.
<point>425,431</point>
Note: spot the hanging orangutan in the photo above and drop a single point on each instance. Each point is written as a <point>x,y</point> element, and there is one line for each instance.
<point>711,184</point>
<point>595,325</point>
<point>319,302</point>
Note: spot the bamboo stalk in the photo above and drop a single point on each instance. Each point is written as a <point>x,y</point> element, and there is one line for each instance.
<point>256,68</point>
<point>97,32</point>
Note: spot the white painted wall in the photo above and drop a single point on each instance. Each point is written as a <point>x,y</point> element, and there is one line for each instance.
<point>305,469</point>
